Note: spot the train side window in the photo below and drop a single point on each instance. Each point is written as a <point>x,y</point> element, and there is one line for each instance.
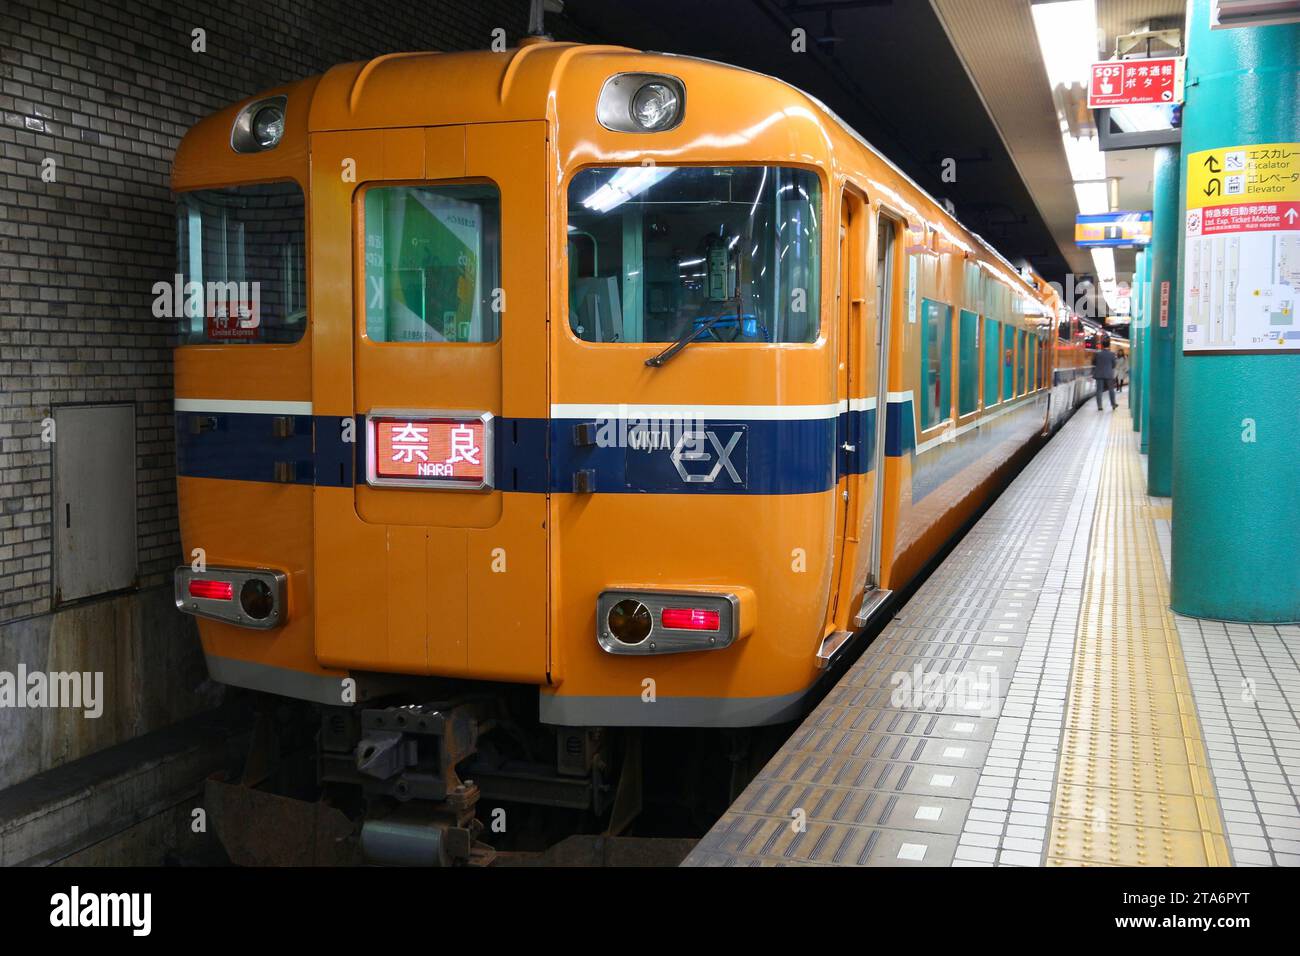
<point>968,369</point>
<point>936,363</point>
<point>730,252</point>
<point>1022,361</point>
<point>242,266</point>
<point>433,263</point>
<point>1008,362</point>
<point>992,354</point>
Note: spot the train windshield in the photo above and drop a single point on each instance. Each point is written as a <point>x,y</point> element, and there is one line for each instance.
<point>240,266</point>
<point>733,252</point>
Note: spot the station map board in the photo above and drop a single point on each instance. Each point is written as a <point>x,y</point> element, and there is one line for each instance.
<point>1242,255</point>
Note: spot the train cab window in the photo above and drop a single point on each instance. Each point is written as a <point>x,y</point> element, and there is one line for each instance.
<point>968,369</point>
<point>936,363</point>
<point>655,252</point>
<point>992,357</point>
<point>241,259</point>
<point>433,263</point>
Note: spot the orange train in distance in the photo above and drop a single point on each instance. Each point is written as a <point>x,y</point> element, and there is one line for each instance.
<point>612,391</point>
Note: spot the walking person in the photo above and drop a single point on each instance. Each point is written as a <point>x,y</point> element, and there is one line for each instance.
<point>1103,371</point>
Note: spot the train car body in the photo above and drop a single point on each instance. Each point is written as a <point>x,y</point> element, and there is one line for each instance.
<point>451,439</point>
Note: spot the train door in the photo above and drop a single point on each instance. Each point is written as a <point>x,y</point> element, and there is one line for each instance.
<point>885,266</point>
<point>850,302</point>
<point>429,361</point>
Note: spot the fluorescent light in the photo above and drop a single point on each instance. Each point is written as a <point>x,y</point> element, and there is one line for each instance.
<point>1092,198</point>
<point>1067,37</point>
<point>1084,157</point>
<point>1103,260</point>
<point>628,182</point>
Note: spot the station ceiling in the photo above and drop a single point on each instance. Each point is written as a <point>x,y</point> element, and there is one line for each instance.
<point>888,68</point>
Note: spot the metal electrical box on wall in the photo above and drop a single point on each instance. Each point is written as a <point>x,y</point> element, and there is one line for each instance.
<point>94,500</point>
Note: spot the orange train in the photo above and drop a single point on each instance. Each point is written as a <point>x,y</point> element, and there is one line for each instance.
<point>565,389</point>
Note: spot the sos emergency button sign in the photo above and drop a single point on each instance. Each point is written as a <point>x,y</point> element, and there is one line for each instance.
<point>1148,82</point>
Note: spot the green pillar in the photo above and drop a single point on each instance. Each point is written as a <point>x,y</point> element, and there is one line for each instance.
<point>1236,434</point>
<point>1167,230</point>
<point>1138,319</point>
<point>1149,306</point>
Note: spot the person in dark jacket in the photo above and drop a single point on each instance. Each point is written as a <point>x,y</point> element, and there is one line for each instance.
<point>1103,371</point>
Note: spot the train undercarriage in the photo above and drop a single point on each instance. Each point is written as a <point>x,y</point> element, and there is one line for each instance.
<point>463,778</point>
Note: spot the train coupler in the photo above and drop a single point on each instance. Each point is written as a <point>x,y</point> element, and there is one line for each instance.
<point>419,811</point>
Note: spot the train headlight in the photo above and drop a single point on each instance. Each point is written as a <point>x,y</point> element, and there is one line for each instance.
<point>259,125</point>
<point>248,597</point>
<point>654,107</point>
<point>268,126</point>
<point>629,622</point>
<point>651,621</point>
<point>257,599</point>
<point>641,103</point>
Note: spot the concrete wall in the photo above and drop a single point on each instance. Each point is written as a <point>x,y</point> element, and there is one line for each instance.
<point>106,91</point>
<point>153,675</point>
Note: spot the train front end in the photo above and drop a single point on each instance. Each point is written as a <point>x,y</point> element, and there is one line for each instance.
<point>507,374</point>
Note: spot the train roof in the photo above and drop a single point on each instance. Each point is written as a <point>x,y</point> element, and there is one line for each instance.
<point>410,89</point>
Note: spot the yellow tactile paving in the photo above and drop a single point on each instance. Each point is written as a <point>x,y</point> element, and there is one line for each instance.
<point>1133,784</point>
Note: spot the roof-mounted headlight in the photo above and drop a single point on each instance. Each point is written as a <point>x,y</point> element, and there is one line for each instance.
<point>259,126</point>
<point>654,106</point>
<point>641,103</point>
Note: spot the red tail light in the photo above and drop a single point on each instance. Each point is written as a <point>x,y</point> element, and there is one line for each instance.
<point>212,590</point>
<point>689,619</point>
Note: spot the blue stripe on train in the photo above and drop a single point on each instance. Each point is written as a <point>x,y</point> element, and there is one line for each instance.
<point>761,457</point>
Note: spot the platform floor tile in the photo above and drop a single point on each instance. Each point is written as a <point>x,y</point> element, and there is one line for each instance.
<point>1107,730</point>
<point>884,773</point>
<point>1133,780</point>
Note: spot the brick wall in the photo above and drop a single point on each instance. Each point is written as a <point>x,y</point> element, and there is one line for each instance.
<point>107,90</point>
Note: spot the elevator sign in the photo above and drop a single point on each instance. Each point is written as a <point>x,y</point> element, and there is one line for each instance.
<point>1242,249</point>
<point>1150,82</point>
<point>412,450</point>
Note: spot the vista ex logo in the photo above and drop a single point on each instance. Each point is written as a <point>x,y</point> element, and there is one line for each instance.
<point>701,458</point>
<point>718,456</point>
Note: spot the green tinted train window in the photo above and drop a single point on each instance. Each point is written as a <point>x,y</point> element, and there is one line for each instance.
<point>1008,362</point>
<point>991,357</point>
<point>968,371</point>
<point>433,263</point>
<point>936,362</point>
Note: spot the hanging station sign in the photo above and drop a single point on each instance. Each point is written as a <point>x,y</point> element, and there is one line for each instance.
<point>1242,251</point>
<point>1113,229</point>
<point>1144,82</point>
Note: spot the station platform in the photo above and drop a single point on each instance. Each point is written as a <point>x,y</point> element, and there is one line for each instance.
<point>1036,703</point>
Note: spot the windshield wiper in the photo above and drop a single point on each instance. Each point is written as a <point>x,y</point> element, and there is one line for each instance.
<point>685,339</point>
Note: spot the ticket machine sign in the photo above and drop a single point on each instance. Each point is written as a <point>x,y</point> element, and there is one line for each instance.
<point>423,449</point>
